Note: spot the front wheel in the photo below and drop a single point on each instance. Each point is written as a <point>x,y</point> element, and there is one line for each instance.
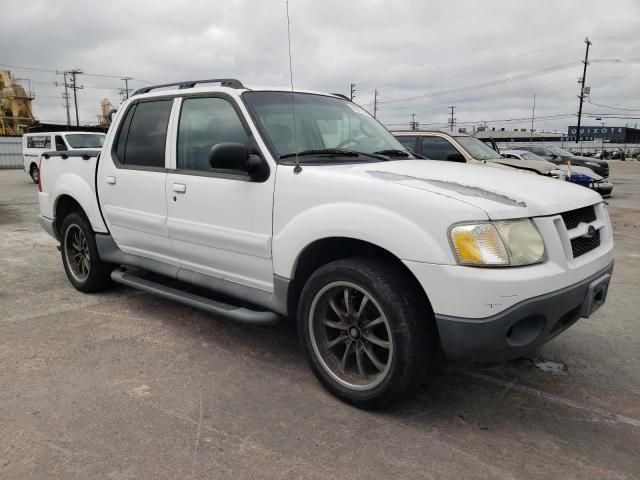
<point>83,266</point>
<point>364,331</point>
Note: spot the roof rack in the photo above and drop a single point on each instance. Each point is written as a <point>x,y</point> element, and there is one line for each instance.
<point>224,82</point>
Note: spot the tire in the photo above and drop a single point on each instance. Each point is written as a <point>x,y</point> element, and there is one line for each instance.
<point>83,266</point>
<point>34,172</point>
<point>392,333</point>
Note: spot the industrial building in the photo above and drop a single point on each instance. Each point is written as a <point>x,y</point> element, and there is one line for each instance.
<point>605,134</point>
<point>515,136</point>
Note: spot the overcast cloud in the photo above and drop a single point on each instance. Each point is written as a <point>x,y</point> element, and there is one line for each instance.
<point>402,48</point>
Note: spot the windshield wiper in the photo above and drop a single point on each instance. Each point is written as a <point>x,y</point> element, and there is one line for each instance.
<point>322,151</point>
<point>333,152</point>
<point>392,153</point>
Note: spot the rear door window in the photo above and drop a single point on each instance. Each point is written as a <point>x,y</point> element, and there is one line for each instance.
<point>144,133</point>
<point>437,148</point>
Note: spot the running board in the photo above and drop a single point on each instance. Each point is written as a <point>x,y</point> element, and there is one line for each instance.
<point>232,312</point>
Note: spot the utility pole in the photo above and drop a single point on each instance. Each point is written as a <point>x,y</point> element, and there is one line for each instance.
<point>582,90</point>
<point>375,103</point>
<point>75,87</point>
<point>452,120</point>
<point>125,91</point>
<point>412,123</point>
<point>533,116</point>
<point>352,95</point>
<point>65,95</point>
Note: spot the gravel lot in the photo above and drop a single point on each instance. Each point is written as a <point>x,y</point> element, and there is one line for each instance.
<point>124,385</point>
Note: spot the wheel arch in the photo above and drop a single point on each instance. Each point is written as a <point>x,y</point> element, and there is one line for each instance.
<point>65,205</point>
<point>325,250</point>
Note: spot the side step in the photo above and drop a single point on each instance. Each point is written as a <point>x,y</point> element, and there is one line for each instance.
<point>232,312</point>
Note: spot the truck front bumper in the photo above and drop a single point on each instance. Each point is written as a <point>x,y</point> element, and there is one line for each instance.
<point>516,331</point>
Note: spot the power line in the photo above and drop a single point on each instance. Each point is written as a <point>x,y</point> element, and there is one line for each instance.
<point>37,69</point>
<point>491,83</point>
<point>613,108</point>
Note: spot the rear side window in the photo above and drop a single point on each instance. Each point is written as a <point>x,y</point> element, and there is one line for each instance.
<point>144,132</point>
<point>39,141</point>
<point>437,148</point>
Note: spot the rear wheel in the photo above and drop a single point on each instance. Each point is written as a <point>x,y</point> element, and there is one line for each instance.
<point>34,172</point>
<point>83,266</point>
<point>364,331</point>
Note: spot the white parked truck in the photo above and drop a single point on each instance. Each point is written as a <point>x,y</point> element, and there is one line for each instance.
<point>208,193</point>
<point>35,144</point>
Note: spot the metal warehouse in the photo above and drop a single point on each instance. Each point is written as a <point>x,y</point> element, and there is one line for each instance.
<point>606,134</point>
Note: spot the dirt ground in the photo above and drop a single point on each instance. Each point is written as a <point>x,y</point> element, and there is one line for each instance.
<point>124,385</point>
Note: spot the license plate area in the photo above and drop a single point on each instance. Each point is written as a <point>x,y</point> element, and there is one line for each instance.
<point>596,295</point>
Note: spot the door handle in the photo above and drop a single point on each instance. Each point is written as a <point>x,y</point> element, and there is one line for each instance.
<point>179,187</point>
<point>111,180</point>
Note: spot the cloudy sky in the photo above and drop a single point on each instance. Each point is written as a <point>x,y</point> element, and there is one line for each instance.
<point>487,58</point>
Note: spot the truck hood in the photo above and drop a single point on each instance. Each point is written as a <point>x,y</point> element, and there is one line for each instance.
<point>500,193</point>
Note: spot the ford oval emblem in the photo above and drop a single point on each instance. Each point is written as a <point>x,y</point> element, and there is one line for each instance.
<point>590,233</point>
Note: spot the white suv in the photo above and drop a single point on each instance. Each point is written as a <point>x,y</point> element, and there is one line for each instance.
<point>385,262</point>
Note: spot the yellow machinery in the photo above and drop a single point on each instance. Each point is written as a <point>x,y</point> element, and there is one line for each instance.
<point>104,118</point>
<point>15,106</point>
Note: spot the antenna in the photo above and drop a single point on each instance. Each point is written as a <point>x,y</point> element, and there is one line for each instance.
<point>297,168</point>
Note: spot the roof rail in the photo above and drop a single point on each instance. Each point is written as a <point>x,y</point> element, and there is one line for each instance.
<point>224,82</point>
<point>341,96</point>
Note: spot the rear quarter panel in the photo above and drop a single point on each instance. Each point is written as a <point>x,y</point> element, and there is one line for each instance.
<point>74,177</point>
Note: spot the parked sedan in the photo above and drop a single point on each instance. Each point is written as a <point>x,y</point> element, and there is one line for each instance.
<point>561,157</point>
<point>580,175</point>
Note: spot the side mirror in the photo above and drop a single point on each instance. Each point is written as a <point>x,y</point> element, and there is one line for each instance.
<point>456,157</point>
<point>229,156</point>
<point>235,156</point>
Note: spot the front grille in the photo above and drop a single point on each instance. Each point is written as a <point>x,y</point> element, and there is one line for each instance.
<point>573,218</point>
<point>582,245</point>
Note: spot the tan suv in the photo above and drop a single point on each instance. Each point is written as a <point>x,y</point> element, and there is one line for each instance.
<point>457,147</point>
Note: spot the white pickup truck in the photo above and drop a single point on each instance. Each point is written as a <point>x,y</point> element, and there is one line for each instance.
<point>208,193</point>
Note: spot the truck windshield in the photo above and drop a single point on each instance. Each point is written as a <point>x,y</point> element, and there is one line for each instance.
<point>85,140</point>
<point>478,149</point>
<point>323,123</point>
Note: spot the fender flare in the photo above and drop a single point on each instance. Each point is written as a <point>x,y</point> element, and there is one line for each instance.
<point>74,186</point>
<point>376,225</point>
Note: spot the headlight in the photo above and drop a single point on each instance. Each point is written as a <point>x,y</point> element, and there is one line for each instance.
<point>591,164</point>
<point>497,244</point>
